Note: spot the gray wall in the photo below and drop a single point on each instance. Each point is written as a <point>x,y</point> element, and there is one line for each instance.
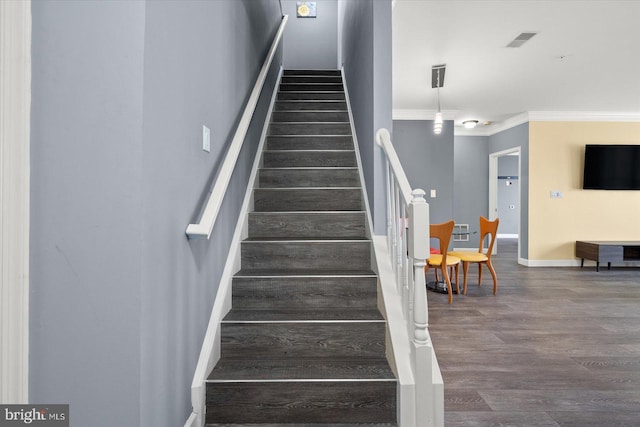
<point>365,28</point>
<point>428,161</point>
<point>458,169</point>
<point>86,214</point>
<point>470,184</point>
<point>120,299</point>
<point>311,43</point>
<point>508,194</point>
<point>517,137</point>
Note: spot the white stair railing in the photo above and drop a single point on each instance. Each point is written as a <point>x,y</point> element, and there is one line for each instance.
<point>408,247</point>
<point>203,228</point>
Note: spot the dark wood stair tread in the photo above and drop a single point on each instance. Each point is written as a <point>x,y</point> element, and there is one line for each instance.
<point>236,369</point>
<point>304,343</point>
<point>307,72</point>
<point>304,425</point>
<point>306,239</point>
<point>310,273</point>
<point>301,314</point>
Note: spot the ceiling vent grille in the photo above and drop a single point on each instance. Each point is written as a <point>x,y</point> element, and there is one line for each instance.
<point>521,39</point>
<point>437,75</point>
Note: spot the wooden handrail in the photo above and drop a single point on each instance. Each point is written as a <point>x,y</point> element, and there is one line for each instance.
<point>203,228</point>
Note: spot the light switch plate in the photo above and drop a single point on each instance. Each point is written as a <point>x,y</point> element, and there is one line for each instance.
<point>206,139</point>
<point>433,194</point>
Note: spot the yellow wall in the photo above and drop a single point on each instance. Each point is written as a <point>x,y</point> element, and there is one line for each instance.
<point>556,156</point>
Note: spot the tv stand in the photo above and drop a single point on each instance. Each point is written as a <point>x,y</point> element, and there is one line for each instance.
<point>607,251</point>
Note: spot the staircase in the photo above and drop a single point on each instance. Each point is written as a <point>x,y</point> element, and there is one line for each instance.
<point>305,342</point>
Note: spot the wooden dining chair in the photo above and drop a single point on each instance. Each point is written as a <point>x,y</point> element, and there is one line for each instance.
<point>443,260</point>
<point>486,228</point>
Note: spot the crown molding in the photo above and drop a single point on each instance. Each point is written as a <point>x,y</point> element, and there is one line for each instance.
<point>422,114</point>
<point>493,129</point>
<point>511,122</point>
<point>518,119</point>
<point>477,131</point>
<point>583,116</point>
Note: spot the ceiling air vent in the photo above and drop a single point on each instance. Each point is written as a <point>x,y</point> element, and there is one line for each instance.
<point>521,39</point>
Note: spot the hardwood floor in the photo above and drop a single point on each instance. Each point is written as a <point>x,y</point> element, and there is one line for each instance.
<point>554,347</point>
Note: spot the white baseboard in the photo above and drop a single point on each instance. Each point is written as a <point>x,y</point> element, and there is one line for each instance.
<point>571,263</point>
<point>549,262</point>
<point>356,148</point>
<point>192,421</point>
<point>210,352</point>
<point>506,236</point>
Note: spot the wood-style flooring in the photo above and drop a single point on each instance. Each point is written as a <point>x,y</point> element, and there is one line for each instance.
<point>554,347</point>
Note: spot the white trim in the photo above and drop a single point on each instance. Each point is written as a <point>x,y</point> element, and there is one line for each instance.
<point>542,116</point>
<point>511,122</point>
<point>356,148</point>
<point>549,262</point>
<point>518,119</point>
<point>203,228</point>
<point>210,352</point>
<point>493,188</point>
<point>15,106</point>
<point>583,116</point>
<point>192,421</point>
<point>477,131</point>
<point>506,236</point>
<point>572,263</point>
<point>422,114</point>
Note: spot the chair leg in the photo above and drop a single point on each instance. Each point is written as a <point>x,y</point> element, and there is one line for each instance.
<point>479,274</point>
<point>446,279</point>
<point>495,278</point>
<point>465,270</point>
<point>457,278</point>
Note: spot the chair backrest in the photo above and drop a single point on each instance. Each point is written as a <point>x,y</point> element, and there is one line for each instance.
<point>442,232</point>
<point>488,227</point>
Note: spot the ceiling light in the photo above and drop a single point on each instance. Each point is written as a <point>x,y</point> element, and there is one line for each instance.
<point>437,81</point>
<point>469,124</point>
<point>437,123</point>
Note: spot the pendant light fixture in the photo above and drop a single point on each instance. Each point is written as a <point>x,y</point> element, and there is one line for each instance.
<point>437,81</point>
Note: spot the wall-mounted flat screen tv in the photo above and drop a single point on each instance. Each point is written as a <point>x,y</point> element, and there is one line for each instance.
<point>611,167</point>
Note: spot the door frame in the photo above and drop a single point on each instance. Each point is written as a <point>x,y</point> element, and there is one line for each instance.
<point>493,187</point>
<point>15,116</point>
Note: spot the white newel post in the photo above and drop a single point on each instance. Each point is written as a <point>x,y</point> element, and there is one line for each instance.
<point>422,348</point>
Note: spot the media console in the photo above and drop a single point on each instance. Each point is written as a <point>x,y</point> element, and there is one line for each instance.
<point>607,251</point>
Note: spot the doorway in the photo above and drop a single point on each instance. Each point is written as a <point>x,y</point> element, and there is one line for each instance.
<point>506,200</point>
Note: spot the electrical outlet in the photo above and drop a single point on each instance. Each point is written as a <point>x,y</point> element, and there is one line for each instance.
<point>206,139</point>
<point>555,194</point>
<point>433,194</point>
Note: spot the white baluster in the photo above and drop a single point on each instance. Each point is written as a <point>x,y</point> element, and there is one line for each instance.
<point>419,251</point>
<point>389,207</point>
